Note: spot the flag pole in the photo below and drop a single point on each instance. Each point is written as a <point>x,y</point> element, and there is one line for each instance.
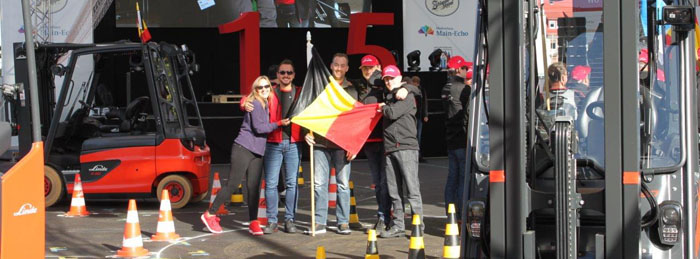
<point>309,46</point>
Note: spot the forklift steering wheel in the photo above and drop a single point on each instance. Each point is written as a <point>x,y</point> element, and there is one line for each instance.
<point>590,110</point>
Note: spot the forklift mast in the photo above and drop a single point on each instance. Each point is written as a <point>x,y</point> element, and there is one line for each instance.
<point>605,171</point>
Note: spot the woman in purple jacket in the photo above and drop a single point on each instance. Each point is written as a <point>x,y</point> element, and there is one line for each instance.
<point>246,157</point>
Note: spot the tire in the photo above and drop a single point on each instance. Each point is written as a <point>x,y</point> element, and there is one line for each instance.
<point>179,189</point>
<point>53,186</point>
<point>199,197</point>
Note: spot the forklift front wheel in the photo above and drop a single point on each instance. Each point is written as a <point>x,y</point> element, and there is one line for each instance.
<point>53,187</point>
<point>179,188</point>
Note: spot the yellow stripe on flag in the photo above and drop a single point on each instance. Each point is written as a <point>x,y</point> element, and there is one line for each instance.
<point>319,116</point>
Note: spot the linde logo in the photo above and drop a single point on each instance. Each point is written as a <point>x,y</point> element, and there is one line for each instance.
<point>26,209</point>
<point>367,60</point>
<point>98,168</point>
<point>442,7</point>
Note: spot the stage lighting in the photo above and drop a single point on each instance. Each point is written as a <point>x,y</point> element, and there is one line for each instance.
<point>413,61</point>
<point>435,60</point>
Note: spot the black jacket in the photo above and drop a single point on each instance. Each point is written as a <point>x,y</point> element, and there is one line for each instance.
<point>455,98</point>
<point>320,140</point>
<point>372,91</point>
<point>399,122</point>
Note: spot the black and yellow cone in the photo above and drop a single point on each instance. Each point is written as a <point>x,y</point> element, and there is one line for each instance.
<point>452,246</point>
<point>300,177</point>
<point>416,250</point>
<point>320,252</point>
<point>372,249</point>
<point>354,218</point>
<point>237,197</point>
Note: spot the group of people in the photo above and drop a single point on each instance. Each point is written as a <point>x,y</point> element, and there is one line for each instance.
<point>267,140</point>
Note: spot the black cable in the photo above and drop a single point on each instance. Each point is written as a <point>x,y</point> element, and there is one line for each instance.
<point>652,215</point>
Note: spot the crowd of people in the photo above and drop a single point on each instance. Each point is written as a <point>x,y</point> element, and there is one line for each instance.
<point>268,142</point>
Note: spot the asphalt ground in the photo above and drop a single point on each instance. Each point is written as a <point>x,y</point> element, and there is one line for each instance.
<point>100,234</point>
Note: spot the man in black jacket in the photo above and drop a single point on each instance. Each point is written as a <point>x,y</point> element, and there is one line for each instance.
<point>455,96</point>
<point>401,149</point>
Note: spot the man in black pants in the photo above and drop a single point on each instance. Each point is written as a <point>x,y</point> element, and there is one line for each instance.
<point>401,150</point>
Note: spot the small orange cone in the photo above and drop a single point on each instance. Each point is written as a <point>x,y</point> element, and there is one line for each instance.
<point>77,203</point>
<point>215,188</point>
<point>332,190</point>
<point>262,206</point>
<point>166,227</point>
<point>132,245</point>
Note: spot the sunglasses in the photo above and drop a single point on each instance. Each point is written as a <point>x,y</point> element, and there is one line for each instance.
<point>282,72</point>
<point>260,87</point>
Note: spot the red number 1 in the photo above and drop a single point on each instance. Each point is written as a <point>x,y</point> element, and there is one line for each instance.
<point>357,36</point>
<point>249,47</point>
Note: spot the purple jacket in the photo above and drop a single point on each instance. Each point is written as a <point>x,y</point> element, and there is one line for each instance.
<point>254,129</point>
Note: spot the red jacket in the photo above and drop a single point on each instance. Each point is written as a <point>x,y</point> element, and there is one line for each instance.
<point>276,114</point>
<point>284,1</point>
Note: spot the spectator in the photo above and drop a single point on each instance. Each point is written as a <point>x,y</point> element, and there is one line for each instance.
<point>401,150</point>
<point>455,96</point>
<point>327,155</point>
<point>287,14</point>
<point>246,157</point>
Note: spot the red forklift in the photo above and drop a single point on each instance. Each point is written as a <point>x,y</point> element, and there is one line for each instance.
<point>126,120</point>
<point>602,164</point>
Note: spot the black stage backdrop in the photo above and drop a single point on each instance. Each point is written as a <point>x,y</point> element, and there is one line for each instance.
<point>217,54</point>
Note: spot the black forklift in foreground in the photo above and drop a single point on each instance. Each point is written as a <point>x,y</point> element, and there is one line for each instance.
<point>126,119</point>
<point>604,168</point>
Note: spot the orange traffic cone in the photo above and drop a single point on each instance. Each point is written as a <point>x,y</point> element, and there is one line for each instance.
<point>132,245</point>
<point>77,203</point>
<point>166,227</point>
<point>215,188</point>
<point>262,206</point>
<point>332,190</point>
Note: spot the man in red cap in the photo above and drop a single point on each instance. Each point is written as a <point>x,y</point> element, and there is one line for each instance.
<point>579,82</point>
<point>455,97</point>
<point>401,150</point>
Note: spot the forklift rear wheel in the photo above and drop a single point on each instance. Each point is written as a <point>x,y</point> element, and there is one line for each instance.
<point>179,188</point>
<point>199,197</point>
<point>53,187</point>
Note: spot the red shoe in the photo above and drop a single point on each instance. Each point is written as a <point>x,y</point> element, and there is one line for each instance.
<point>212,223</point>
<point>254,228</point>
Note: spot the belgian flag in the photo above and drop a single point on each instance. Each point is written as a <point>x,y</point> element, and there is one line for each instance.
<point>325,108</point>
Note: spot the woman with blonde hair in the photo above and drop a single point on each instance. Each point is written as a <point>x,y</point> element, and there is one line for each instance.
<point>246,157</point>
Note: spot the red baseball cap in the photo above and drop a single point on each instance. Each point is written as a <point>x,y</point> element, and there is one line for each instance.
<point>580,72</point>
<point>456,62</point>
<point>391,71</point>
<point>369,61</point>
<point>644,55</point>
<point>660,75</point>
<point>469,72</point>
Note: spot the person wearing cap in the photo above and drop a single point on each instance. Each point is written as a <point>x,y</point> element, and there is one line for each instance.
<point>401,150</point>
<point>455,96</point>
<point>326,155</point>
<point>579,82</point>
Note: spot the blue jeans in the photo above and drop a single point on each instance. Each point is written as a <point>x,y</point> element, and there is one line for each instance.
<point>275,155</point>
<point>454,187</point>
<point>324,159</point>
<point>375,157</point>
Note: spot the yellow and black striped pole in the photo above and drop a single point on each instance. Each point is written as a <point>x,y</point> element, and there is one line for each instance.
<point>416,250</point>
<point>300,176</point>
<point>372,249</point>
<point>354,218</point>
<point>452,246</point>
<point>237,197</point>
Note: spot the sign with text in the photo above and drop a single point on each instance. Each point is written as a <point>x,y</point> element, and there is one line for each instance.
<point>448,25</point>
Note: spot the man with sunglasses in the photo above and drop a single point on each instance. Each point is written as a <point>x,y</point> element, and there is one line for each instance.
<point>281,149</point>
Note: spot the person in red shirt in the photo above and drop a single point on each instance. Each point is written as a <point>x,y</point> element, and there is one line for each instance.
<point>287,14</point>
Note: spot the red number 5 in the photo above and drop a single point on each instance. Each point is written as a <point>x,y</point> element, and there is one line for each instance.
<point>357,36</point>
